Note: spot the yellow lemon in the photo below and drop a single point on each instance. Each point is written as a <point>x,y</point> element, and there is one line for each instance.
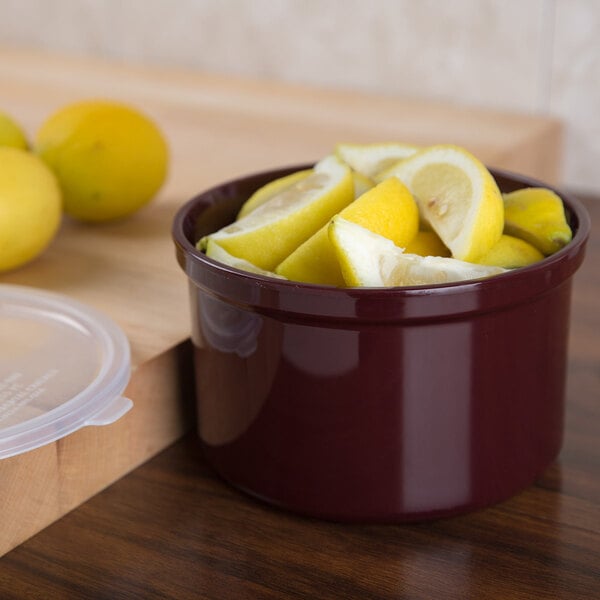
<point>11,134</point>
<point>427,243</point>
<point>457,196</point>
<point>388,209</point>
<point>214,251</point>
<point>370,159</point>
<point>109,158</point>
<point>273,230</point>
<point>370,260</point>
<point>30,207</point>
<point>537,215</point>
<point>511,252</point>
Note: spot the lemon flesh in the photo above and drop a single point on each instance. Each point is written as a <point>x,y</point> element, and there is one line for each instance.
<point>271,232</point>
<point>457,197</point>
<point>109,158</point>
<point>30,207</point>
<point>11,134</point>
<point>371,159</point>
<point>214,251</point>
<point>277,186</point>
<point>387,209</point>
<point>370,260</point>
<point>537,215</point>
<point>272,189</point>
<point>511,253</point>
<point>362,183</point>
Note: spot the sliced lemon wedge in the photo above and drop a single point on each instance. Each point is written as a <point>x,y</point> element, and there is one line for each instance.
<point>272,189</point>
<point>427,243</point>
<point>537,215</point>
<point>277,186</point>
<point>273,230</point>
<point>370,260</point>
<point>457,197</point>
<point>511,253</point>
<point>370,159</point>
<point>214,251</point>
<point>387,209</point>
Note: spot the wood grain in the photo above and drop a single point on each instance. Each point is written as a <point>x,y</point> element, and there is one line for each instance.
<point>173,529</point>
<point>217,128</point>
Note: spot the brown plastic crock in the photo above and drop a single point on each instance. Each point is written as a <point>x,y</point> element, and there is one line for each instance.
<point>377,405</point>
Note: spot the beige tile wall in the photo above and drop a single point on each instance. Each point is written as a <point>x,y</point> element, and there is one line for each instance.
<point>525,55</point>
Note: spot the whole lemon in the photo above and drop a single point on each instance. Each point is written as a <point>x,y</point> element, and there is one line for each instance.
<point>30,207</point>
<point>109,158</point>
<point>11,134</point>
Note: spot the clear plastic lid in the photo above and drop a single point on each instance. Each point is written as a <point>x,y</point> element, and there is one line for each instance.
<point>63,366</point>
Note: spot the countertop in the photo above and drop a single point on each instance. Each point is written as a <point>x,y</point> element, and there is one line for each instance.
<point>171,528</point>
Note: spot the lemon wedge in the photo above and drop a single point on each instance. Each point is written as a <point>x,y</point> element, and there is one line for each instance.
<point>275,187</point>
<point>537,215</point>
<point>427,243</point>
<point>214,251</point>
<point>370,159</point>
<point>273,230</point>
<point>272,189</point>
<point>387,209</point>
<point>370,260</point>
<point>457,196</point>
<point>511,252</point>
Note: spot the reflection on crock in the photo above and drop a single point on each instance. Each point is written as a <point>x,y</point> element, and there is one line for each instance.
<point>321,351</point>
<point>228,328</point>
<point>436,435</point>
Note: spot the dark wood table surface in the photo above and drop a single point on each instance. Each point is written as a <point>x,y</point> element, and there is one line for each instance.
<point>173,529</point>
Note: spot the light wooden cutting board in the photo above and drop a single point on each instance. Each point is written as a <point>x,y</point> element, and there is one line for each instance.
<point>218,128</point>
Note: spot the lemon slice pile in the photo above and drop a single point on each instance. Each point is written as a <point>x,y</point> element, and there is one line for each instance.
<point>390,214</point>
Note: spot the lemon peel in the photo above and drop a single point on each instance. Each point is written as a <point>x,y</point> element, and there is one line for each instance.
<point>427,243</point>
